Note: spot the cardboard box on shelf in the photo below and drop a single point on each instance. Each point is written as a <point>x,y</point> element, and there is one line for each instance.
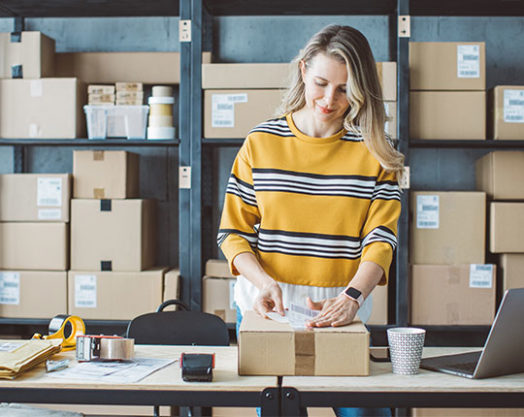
<point>506,112</point>
<point>387,74</point>
<point>245,75</point>
<point>171,285</point>
<point>21,294</point>
<point>267,347</point>
<point>112,235</point>
<point>506,220</point>
<point>447,227</point>
<point>512,265</point>
<point>105,174</point>
<point>447,66</point>
<point>26,55</point>
<point>34,246</point>
<point>233,113</point>
<point>44,108</point>
<point>467,412</point>
<point>92,295</point>
<point>379,314</point>
<point>391,113</point>
<point>498,174</point>
<point>447,115</point>
<point>218,268</point>
<point>112,67</point>
<point>453,294</point>
<point>35,197</point>
<point>218,297</point>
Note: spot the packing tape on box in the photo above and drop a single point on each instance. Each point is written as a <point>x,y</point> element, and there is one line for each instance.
<point>160,132</point>
<point>160,121</point>
<point>304,352</point>
<point>162,91</point>
<point>58,326</point>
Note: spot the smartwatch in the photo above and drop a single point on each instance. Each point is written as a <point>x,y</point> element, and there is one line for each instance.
<point>355,295</point>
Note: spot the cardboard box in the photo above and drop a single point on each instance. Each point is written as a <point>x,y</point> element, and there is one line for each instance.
<point>171,285</point>
<point>233,113</point>
<point>218,297</point>
<point>512,265</point>
<point>35,197</point>
<point>447,115</point>
<point>48,108</point>
<point>499,174</point>
<point>26,55</point>
<point>506,224</point>
<point>218,268</point>
<point>379,314</point>
<point>267,347</point>
<point>105,174</point>
<point>387,74</point>
<point>447,66</point>
<point>94,295</point>
<point>34,246</point>
<point>506,112</point>
<point>112,235</point>
<point>33,294</point>
<point>391,113</point>
<point>467,412</point>
<point>453,295</point>
<point>447,227</point>
<point>112,67</point>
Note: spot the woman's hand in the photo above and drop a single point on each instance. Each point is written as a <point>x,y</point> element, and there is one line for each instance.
<point>337,311</point>
<point>269,299</point>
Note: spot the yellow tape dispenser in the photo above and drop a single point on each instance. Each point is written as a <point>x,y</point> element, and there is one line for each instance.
<point>59,325</point>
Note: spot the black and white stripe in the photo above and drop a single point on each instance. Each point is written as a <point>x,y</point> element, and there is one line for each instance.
<point>252,238</point>
<point>380,234</point>
<point>386,190</point>
<point>352,137</point>
<point>278,127</point>
<point>242,189</point>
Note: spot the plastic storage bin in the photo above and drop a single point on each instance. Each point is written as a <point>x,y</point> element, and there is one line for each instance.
<point>116,121</point>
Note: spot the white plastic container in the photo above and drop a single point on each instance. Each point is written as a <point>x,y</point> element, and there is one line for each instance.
<point>154,133</point>
<point>116,121</point>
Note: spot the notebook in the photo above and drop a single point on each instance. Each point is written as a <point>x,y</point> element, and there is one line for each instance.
<point>502,353</point>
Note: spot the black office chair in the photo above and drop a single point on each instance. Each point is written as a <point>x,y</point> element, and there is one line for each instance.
<point>179,327</point>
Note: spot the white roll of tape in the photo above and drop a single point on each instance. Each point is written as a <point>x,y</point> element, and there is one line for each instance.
<point>160,132</point>
<point>161,100</point>
<point>162,91</point>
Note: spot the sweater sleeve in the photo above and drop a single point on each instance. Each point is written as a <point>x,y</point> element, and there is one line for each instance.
<point>379,233</point>
<point>240,215</point>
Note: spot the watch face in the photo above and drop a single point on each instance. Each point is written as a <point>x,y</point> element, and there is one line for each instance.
<point>353,293</point>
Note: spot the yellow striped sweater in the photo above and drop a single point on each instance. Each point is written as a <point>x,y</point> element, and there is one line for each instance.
<point>310,209</point>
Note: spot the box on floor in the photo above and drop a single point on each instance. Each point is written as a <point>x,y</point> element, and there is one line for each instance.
<point>506,112</point>
<point>512,266</point>
<point>506,221</point>
<point>499,174</point>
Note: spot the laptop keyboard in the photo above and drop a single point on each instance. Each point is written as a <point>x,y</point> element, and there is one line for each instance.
<point>464,367</point>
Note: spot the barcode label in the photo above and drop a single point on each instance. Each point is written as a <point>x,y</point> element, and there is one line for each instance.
<point>428,209</point>
<point>223,109</point>
<point>514,106</point>
<point>480,276</point>
<point>10,288</point>
<point>468,61</point>
<point>85,291</point>
<point>49,191</point>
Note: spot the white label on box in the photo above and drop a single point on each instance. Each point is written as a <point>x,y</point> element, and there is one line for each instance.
<point>223,109</point>
<point>10,287</point>
<point>428,212</point>
<point>514,106</point>
<point>85,291</point>
<point>34,130</point>
<point>49,214</point>
<point>37,88</point>
<point>232,304</point>
<point>49,191</point>
<point>468,61</point>
<point>480,276</point>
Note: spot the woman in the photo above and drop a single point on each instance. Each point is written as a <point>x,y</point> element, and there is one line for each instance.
<point>312,204</point>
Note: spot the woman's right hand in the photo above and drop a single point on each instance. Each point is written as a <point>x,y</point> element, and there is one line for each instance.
<point>269,299</point>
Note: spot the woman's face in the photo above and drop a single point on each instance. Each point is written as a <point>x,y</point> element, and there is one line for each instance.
<point>325,88</point>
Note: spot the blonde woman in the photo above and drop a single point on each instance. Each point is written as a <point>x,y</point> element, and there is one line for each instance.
<point>312,204</point>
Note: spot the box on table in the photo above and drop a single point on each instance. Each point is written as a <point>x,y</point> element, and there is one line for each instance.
<point>93,295</point>
<point>233,113</point>
<point>506,224</point>
<point>467,412</point>
<point>35,197</point>
<point>499,174</point>
<point>105,174</point>
<point>506,112</point>
<point>218,268</point>
<point>171,285</point>
<point>44,108</point>
<point>379,314</point>
<point>267,347</point>
<point>447,114</point>
<point>218,297</point>
<point>33,294</point>
<point>512,266</point>
<point>447,66</point>
<point>112,235</point>
<point>34,246</point>
<point>448,227</point>
<point>453,294</point>
<point>27,55</point>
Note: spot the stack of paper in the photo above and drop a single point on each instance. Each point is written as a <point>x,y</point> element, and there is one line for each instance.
<point>17,356</point>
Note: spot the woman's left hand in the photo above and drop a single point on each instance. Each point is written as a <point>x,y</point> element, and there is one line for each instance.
<point>337,311</point>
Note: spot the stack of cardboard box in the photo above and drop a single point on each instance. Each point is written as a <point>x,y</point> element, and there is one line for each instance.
<point>218,295</point>
<point>506,112</point>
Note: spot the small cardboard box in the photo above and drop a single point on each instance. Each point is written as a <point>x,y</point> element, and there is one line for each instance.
<point>26,55</point>
<point>34,246</point>
<point>267,347</point>
<point>93,295</point>
<point>35,197</point>
<point>22,292</point>
<point>379,314</point>
<point>448,227</point>
<point>499,174</point>
<point>218,268</point>
<point>453,294</point>
<point>49,108</point>
<point>512,265</point>
<point>233,113</point>
<point>218,297</point>
<point>447,115</point>
<point>506,112</point>
<point>506,224</point>
<point>105,174</point>
<point>171,285</point>
<point>447,66</point>
<point>112,235</point>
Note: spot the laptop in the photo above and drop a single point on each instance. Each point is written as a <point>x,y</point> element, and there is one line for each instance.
<point>503,351</point>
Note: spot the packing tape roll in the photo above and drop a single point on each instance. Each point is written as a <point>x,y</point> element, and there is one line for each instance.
<point>162,91</point>
<point>57,327</point>
<point>161,110</point>
<point>118,349</point>
<point>160,121</point>
<point>160,132</point>
<point>161,100</point>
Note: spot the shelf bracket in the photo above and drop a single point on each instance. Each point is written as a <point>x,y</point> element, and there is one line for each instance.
<point>404,26</point>
<point>184,30</point>
<point>184,177</point>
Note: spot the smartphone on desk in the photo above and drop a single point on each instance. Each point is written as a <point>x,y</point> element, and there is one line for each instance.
<point>379,353</point>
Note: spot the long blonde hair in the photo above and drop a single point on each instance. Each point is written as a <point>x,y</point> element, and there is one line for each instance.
<point>366,114</point>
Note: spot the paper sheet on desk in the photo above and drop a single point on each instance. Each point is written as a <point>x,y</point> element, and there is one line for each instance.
<point>115,372</point>
<point>296,316</point>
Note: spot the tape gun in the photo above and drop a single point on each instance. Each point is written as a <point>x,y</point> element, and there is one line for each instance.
<point>59,325</point>
<point>104,348</point>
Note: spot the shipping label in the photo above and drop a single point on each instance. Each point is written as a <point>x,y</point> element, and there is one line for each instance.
<point>49,214</point>
<point>468,61</point>
<point>49,191</point>
<point>513,106</point>
<point>37,88</point>
<point>10,287</point>
<point>480,276</point>
<point>223,109</point>
<point>85,291</point>
<point>428,212</point>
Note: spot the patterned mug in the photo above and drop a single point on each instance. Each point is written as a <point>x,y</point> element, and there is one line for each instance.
<point>405,347</point>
